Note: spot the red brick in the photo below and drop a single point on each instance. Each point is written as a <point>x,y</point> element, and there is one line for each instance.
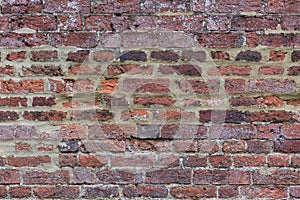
<point>70,131</point>
<point>198,86</point>
<point>219,40</point>
<point>282,6</point>
<point>68,160</point>
<point>107,23</point>
<point>234,146</point>
<point>287,146</point>
<point>39,23</point>
<point>231,131</point>
<point>278,176</point>
<point>52,115</point>
<point>100,191</point>
<point>78,56</point>
<point>253,23</point>
<point>121,177</point>
<point>44,55</point>
<point>195,161</point>
<point>290,22</point>
<point>54,6</point>
<point>16,56</point>
<point>104,146</point>
<point>22,86</point>
<point>207,177</point>
<point>207,146</point>
<point>250,56</point>
<point>192,192</point>
<point>228,191</point>
<point>153,6</point>
<point>167,176</point>
<point>45,147</point>
<point>16,40</point>
<point>26,6</point>
<point>7,70</point>
<point>34,177</point>
<point>295,191</point>
<point>144,22</point>
<point>272,85</point>
<point>242,101</point>
<point>234,85</point>
<point>278,40</point>
<point>159,100</point>
<point>294,71</point>
<point>290,131</point>
<point>88,160</point>
<point>79,39</point>
<point>43,101</point>
<point>230,70</point>
<point>9,176</point>
<point>70,22</point>
<point>112,131</point>
<point>252,39</point>
<point>48,70</point>
<point>138,85</point>
<point>13,102</point>
<point>92,115</point>
<point>218,22</point>
<point>181,23</point>
<point>194,55</point>
<point>116,6</point>
<point>8,116</point>
<point>4,23</point>
<point>278,160</point>
<point>30,161</point>
<point>220,55</point>
<point>273,116</point>
<point>275,192</point>
<point>46,192</point>
<point>249,160</point>
<point>22,146</point>
<point>271,70</point>
<point>184,146</point>
<point>295,56</point>
<point>103,55</point>
<point>269,101</point>
<point>83,176</point>
<point>277,55</point>
<point>259,146</point>
<point>294,102</point>
<point>220,161</point>
<point>145,191</point>
<point>20,192</point>
<point>3,191</point>
<point>109,85</point>
<point>232,6</point>
<point>182,131</point>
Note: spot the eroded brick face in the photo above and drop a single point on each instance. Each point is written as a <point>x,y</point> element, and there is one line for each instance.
<point>150,99</point>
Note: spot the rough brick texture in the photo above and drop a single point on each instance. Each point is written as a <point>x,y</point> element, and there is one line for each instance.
<point>150,99</point>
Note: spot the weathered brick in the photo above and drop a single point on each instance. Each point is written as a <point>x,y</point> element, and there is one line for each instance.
<point>294,71</point>
<point>219,40</point>
<point>295,56</point>
<point>36,177</point>
<point>47,192</point>
<point>232,6</point>
<point>52,115</point>
<point>121,177</point>
<point>272,85</point>
<point>100,191</point>
<point>194,192</point>
<point>16,40</point>
<point>116,6</point>
<point>264,192</point>
<point>70,22</point>
<point>249,56</point>
<point>167,176</point>
<point>79,39</point>
<point>16,56</point>
<point>39,23</point>
<point>282,6</point>
<point>150,6</point>
<point>253,23</point>
<point>20,192</point>
<point>271,70</point>
<point>26,6</point>
<point>83,176</point>
<point>53,6</point>
<point>145,191</point>
<point>249,160</point>
<point>30,161</point>
<point>9,176</point>
<point>279,176</point>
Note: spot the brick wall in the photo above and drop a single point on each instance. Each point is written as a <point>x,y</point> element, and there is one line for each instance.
<point>150,98</point>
